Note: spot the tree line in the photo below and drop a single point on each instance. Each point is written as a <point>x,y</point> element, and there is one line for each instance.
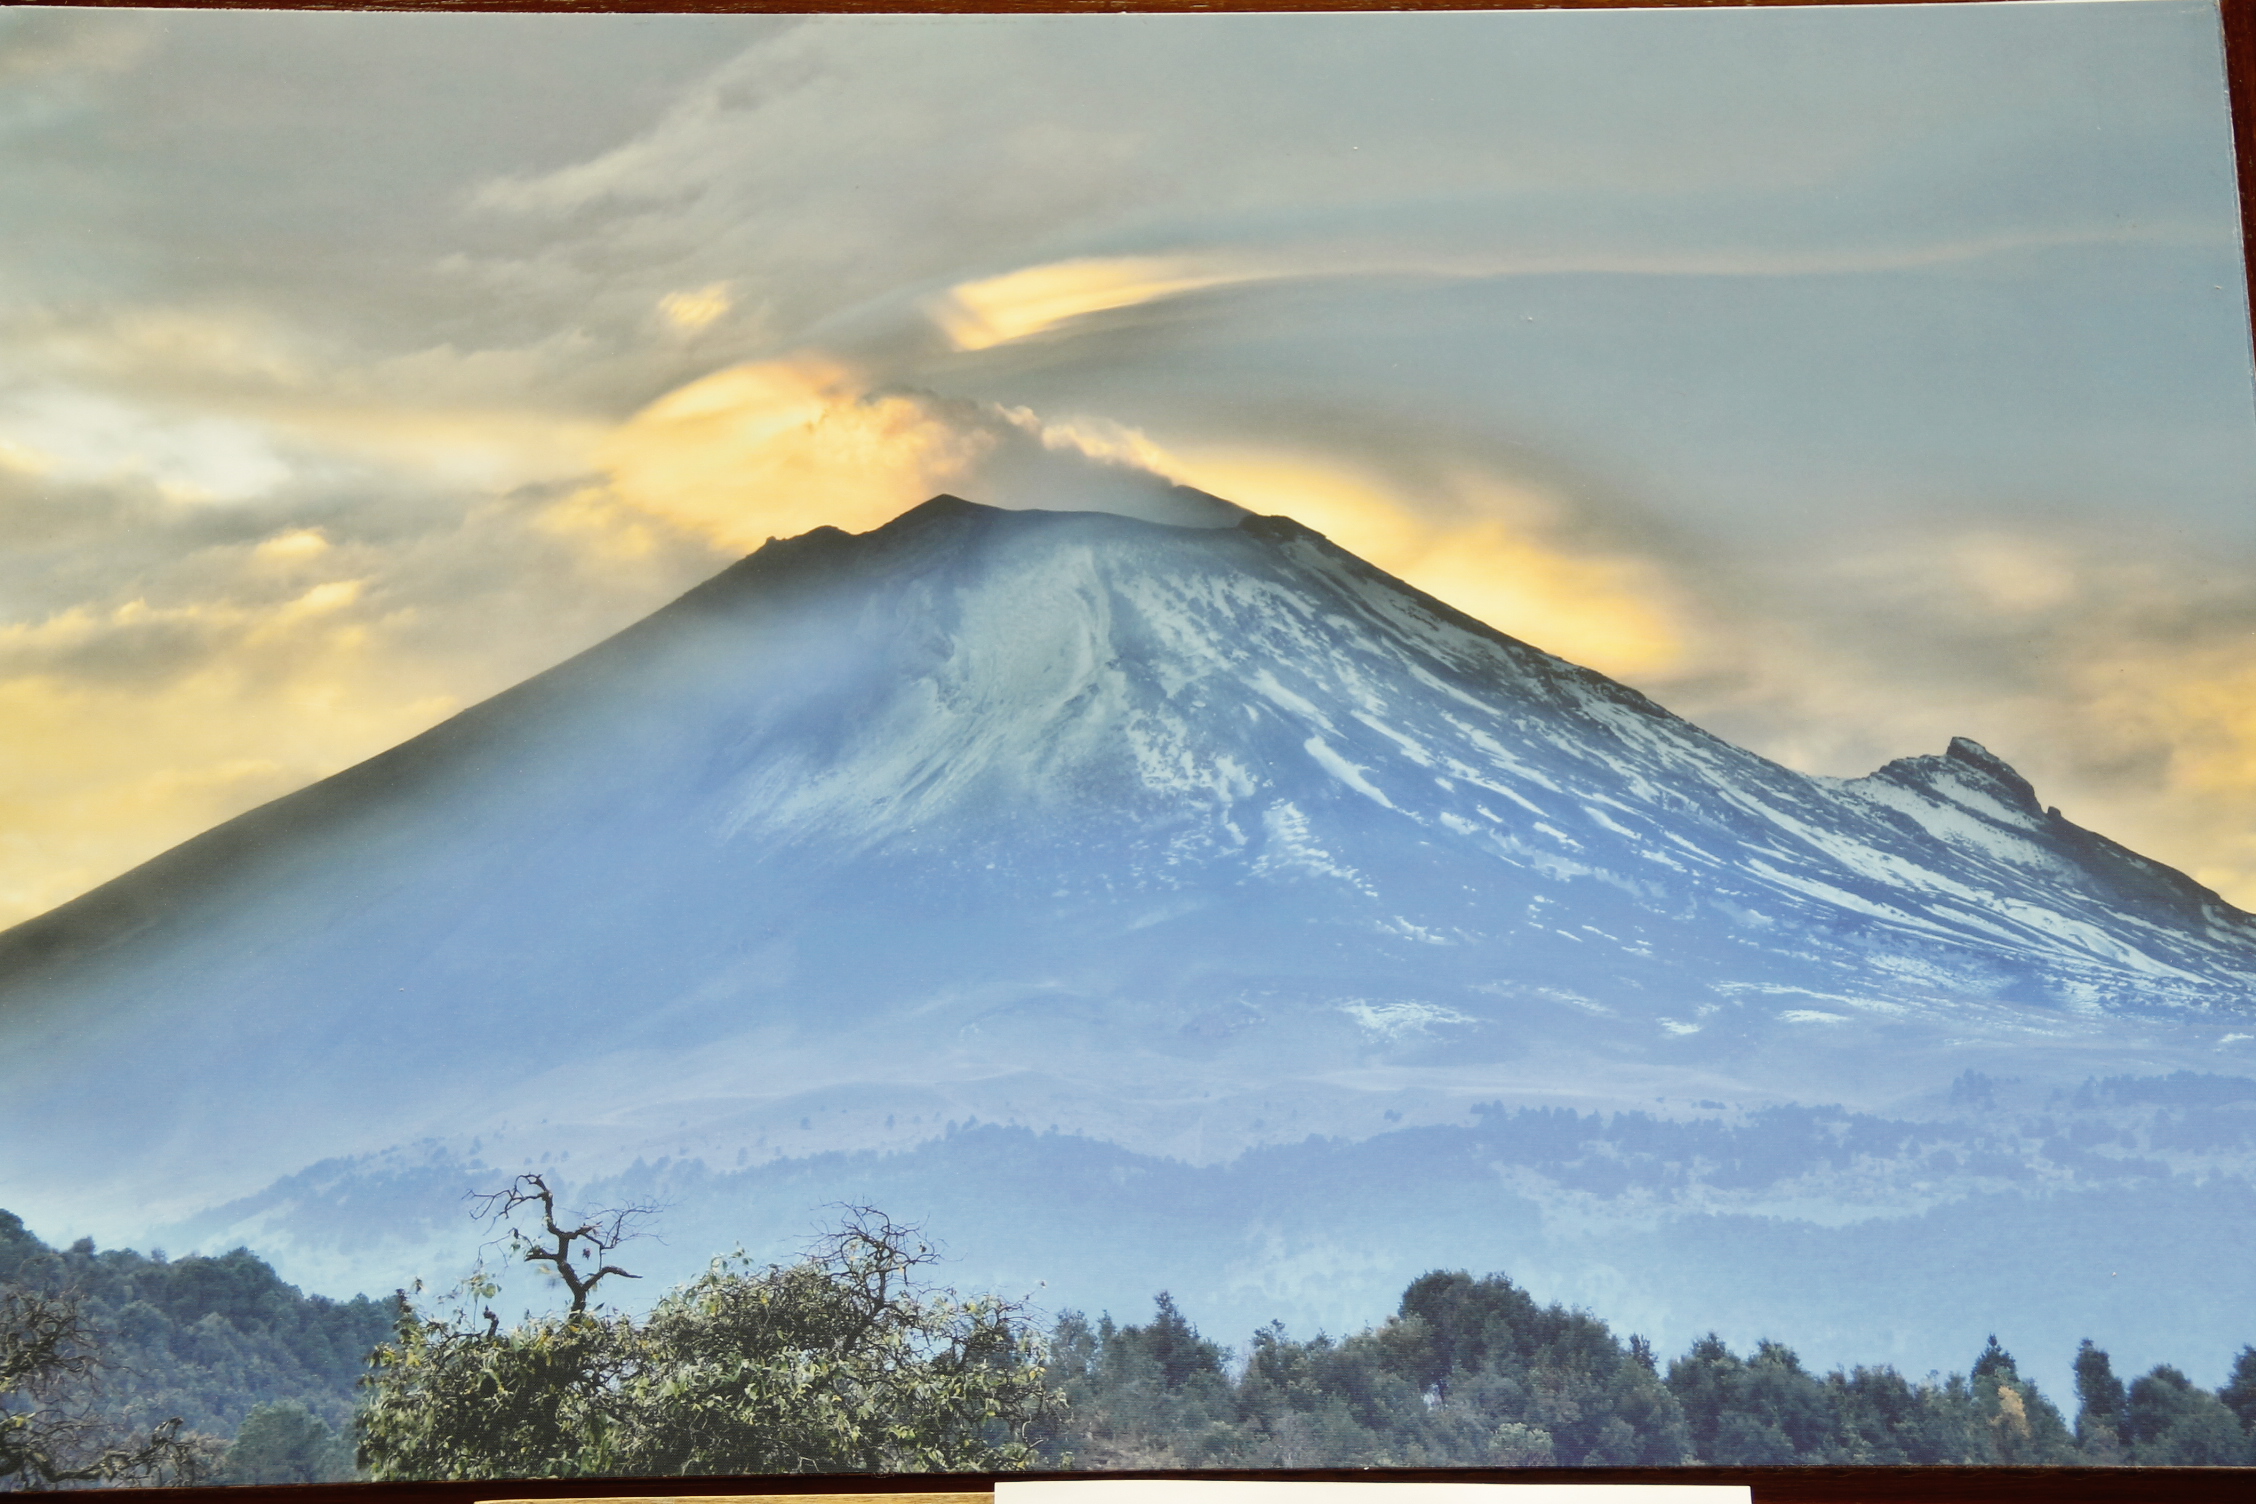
<point>116,1365</point>
<point>1474,1372</point>
<point>119,1366</point>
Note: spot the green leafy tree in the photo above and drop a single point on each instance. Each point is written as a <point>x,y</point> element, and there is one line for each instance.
<point>2174,1423</point>
<point>2239,1393</point>
<point>2206,1435</point>
<point>1886,1419</point>
<point>1468,1372</point>
<point>1175,1347</point>
<point>1763,1409</point>
<point>53,1429</point>
<point>844,1361</point>
<point>2156,1401</point>
<point>1781,1412</point>
<point>1768,1409</point>
<point>284,1442</point>
<point>1145,1396</point>
<point>1557,1377</point>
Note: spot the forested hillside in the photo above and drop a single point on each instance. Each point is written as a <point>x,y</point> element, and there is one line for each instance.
<point>211,1341</point>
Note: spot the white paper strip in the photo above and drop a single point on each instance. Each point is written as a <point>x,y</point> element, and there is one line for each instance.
<point>1285,1491</point>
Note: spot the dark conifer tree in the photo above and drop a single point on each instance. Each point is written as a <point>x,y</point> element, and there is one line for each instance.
<point>2102,1418</point>
<point>1994,1362</point>
<point>1175,1345</point>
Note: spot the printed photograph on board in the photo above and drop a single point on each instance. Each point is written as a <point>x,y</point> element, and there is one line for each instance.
<point>756,744</point>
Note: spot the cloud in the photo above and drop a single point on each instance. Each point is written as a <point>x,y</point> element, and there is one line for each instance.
<point>86,436</point>
<point>226,406</point>
<point>2112,669</point>
<point>300,543</point>
<point>691,311</point>
<point>2160,727</point>
<point>1478,541</point>
<point>2178,721</point>
<point>167,664</point>
<point>38,46</point>
<point>266,631</point>
<point>778,447</point>
<point>1041,299</point>
<point>155,347</point>
<point>139,724</point>
<point>97,776</point>
<point>996,310</point>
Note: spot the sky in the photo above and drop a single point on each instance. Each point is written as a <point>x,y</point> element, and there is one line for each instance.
<point>1845,379</point>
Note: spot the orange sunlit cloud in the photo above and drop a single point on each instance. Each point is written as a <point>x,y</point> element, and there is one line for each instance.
<point>778,447</point>
<point>991,311</point>
<point>692,311</point>
<point>489,451</point>
<point>2122,684</point>
<point>2198,704</point>
<point>1017,305</point>
<point>781,446</point>
<point>302,693</point>
<point>1481,549</point>
<point>216,677</point>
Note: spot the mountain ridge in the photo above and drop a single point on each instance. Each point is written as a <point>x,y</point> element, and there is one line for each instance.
<point>1186,840</point>
<point>114,911</point>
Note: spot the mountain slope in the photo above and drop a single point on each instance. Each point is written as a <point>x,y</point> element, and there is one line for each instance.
<point>1186,839</point>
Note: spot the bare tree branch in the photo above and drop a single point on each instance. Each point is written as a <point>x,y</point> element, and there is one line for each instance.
<point>560,1242</point>
<point>51,1428</point>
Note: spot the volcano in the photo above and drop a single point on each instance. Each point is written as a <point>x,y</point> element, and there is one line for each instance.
<point>1179,845</point>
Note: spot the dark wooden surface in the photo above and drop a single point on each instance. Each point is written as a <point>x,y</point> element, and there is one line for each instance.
<point>2240,76</point>
<point>1771,1485</point>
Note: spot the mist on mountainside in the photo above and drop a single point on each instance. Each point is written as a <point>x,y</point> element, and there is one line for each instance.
<point>1204,884</point>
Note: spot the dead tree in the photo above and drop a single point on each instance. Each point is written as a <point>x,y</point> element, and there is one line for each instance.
<point>573,1249</point>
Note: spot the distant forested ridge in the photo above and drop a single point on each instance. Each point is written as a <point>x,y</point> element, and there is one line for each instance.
<point>1475,1373</point>
<point>211,1341</point>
